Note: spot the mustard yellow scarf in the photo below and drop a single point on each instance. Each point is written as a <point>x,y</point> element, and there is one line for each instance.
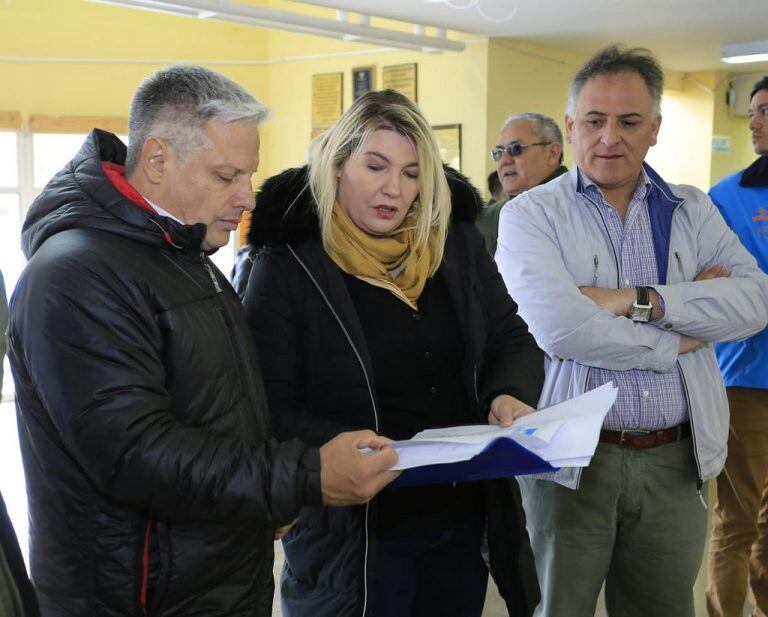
<point>388,262</point>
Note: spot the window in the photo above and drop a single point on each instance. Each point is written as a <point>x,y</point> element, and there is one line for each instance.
<point>50,153</point>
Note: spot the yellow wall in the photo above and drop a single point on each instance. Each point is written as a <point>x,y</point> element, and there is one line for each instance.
<point>523,78</point>
<point>477,88</point>
<point>38,29</point>
<point>684,149</point>
<point>450,90</point>
<point>451,85</point>
<point>742,153</point>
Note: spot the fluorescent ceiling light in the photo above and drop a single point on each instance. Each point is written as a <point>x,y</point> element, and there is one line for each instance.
<point>742,53</point>
<point>360,32</point>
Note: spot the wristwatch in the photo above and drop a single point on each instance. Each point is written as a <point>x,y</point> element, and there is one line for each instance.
<point>641,308</point>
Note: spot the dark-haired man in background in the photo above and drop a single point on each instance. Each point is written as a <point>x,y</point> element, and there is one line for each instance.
<point>739,544</point>
<point>495,190</point>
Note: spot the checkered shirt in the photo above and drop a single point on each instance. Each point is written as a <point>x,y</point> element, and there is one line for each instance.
<point>646,400</point>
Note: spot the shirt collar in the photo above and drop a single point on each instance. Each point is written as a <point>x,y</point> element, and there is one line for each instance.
<point>162,212</point>
<point>641,191</point>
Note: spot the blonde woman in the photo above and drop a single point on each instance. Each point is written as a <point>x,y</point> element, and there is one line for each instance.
<point>374,304</point>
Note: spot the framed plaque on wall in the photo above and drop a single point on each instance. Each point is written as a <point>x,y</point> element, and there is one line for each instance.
<point>449,141</point>
<point>327,99</point>
<point>401,77</point>
<point>363,80</point>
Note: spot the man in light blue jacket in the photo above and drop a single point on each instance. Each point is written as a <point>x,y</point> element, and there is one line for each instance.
<point>624,278</point>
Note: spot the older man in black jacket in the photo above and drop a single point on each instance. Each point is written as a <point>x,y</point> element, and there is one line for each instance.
<point>154,487</point>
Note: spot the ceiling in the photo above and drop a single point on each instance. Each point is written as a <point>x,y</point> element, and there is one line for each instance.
<point>685,34</point>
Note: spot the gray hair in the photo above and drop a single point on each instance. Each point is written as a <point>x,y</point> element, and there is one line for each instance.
<point>175,103</point>
<point>616,59</point>
<point>545,127</point>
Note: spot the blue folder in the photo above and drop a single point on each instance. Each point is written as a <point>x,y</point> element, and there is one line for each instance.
<point>503,457</point>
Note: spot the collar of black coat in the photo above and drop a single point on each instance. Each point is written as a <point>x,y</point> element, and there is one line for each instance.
<point>285,210</point>
<point>756,175</point>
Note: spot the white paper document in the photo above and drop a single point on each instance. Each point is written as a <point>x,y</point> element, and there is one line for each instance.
<point>564,435</point>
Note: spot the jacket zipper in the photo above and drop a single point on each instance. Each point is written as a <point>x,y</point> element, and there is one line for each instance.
<point>373,406</point>
<point>610,240</point>
<point>211,273</point>
<point>596,262</point>
<point>679,265</point>
<point>699,481</point>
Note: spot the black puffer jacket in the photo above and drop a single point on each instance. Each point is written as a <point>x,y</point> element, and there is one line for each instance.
<point>319,382</point>
<point>143,421</point>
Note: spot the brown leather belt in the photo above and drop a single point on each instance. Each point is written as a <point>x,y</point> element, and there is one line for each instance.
<point>640,440</point>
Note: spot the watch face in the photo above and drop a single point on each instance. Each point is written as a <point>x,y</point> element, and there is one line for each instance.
<point>640,313</point>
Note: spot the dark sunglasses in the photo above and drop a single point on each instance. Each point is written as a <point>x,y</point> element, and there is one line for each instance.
<point>514,149</point>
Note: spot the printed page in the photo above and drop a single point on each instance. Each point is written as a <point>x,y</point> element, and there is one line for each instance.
<point>565,434</point>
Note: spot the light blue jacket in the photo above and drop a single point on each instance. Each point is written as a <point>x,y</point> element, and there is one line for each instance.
<point>552,240</point>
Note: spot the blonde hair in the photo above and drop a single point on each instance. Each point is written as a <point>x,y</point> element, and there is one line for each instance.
<point>387,110</point>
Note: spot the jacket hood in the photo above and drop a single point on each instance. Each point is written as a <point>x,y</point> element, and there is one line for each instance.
<point>756,175</point>
<point>82,196</point>
<point>285,210</point>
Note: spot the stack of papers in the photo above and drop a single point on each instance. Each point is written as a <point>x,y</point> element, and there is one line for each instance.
<point>564,435</point>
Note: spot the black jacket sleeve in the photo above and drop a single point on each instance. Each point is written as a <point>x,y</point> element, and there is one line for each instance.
<point>87,356</point>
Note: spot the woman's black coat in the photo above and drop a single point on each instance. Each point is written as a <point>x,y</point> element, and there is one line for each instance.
<point>319,382</point>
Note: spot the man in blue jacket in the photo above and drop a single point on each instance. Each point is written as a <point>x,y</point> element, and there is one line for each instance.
<point>624,278</point>
<point>739,546</point>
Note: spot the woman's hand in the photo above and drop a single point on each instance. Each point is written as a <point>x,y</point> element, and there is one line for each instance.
<point>505,409</point>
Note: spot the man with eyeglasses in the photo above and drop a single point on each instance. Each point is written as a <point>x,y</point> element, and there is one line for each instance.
<point>530,152</point>
<point>624,278</point>
<point>739,545</point>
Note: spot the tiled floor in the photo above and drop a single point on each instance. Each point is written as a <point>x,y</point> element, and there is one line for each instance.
<point>12,487</point>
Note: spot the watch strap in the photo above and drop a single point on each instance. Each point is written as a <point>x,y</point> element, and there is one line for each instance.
<point>643,296</point>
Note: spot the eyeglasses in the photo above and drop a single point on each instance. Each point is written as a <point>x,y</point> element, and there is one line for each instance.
<point>514,149</point>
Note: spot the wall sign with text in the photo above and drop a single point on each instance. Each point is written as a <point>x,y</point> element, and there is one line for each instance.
<point>401,77</point>
<point>327,99</point>
<point>449,141</point>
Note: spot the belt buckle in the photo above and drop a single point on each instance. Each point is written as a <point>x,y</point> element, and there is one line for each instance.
<point>630,431</point>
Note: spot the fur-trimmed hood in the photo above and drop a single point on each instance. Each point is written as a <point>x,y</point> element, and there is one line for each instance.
<point>285,210</point>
